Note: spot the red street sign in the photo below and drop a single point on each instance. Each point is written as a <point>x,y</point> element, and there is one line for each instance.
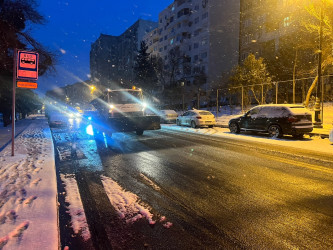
<point>27,85</point>
<point>27,65</point>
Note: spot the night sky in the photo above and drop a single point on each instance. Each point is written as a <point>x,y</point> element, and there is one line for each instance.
<point>73,25</point>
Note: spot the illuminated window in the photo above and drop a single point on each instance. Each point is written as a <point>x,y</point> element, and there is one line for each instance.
<point>286,21</point>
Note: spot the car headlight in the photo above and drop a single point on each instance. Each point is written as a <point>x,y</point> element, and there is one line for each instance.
<point>144,106</point>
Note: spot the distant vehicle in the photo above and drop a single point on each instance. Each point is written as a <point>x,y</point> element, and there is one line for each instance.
<point>196,118</point>
<point>58,119</point>
<point>275,119</point>
<point>123,110</point>
<point>330,137</point>
<point>79,109</point>
<point>168,116</point>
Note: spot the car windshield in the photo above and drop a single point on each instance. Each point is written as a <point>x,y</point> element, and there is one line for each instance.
<point>120,97</point>
<point>205,113</point>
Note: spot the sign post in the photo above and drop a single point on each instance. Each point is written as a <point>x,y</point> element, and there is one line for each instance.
<point>13,105</point>
<point>25,67</point>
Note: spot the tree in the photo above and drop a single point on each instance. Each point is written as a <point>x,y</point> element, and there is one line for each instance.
<point>253,76</point>
<point>144,70</point>
<point>15,18</point>
<point>321,27</point>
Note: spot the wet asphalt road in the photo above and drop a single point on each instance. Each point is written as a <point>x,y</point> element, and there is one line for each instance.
<point>218,193</point>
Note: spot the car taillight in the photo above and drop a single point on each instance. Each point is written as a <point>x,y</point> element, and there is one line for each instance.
<point>198,117</point>
<point>292,119</point>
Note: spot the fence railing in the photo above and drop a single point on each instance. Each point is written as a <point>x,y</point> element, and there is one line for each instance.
<point>275,92</point>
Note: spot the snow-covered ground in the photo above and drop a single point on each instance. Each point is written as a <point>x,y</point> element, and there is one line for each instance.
<point>28,191</point>
<point>314,143</point>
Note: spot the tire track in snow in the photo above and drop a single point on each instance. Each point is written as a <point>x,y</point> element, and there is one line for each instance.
<point>76,211</point>
<point>128,205</point>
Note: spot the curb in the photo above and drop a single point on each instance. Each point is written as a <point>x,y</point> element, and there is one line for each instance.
<point>322,135</point>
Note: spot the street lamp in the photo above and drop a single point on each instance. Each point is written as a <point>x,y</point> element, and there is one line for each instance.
<point>319,121</point>
<point>92,88</point>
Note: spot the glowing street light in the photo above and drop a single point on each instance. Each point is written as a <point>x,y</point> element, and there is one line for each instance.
<point>92,89</point>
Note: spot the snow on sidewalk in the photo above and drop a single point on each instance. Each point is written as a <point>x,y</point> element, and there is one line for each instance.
<point>28,191</point>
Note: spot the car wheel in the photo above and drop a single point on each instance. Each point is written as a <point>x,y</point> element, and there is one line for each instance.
<point>275,131</point>
<point>234,128</point>
<point>178,123</point>
<point>193,125</point>
<point>139,132</point>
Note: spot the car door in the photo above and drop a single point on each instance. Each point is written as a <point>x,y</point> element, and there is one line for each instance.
<point>182,118</point>
<point>246,121</point>
<point>260,120</point>
<point>188,118</point>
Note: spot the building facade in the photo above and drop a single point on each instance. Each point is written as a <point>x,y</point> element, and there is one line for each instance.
<point>204,33</point>
<point>112,58</point>
<point>265,24</point>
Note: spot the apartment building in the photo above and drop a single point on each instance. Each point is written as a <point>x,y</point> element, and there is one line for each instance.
<point>205,33</point>
<point>266,24</point>
<point>112,58</point>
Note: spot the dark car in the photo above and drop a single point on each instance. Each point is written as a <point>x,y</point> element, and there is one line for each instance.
<point>274,119</point>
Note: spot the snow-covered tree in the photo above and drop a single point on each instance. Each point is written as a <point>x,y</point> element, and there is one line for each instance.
<point>253,76</point>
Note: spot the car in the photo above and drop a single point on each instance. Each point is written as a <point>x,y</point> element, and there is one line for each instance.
<point>58,119</point>
<point>274,119</point>
<point>168,116</point>
<point>196,118</point>
<point>330,137</point>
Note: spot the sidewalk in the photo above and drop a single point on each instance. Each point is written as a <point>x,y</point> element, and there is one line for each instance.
<point>28,188</point>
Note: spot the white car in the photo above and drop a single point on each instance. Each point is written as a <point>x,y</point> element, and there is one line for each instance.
<point>168,116</point>
<point>330,137</point>
<point>196,118</point>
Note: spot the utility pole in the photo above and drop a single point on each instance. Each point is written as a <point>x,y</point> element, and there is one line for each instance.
<point>319,120</point>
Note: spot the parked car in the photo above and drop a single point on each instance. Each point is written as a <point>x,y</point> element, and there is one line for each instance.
<point>330,137</point>
<point>275,119</point>
<point>196,118</point>
<point>168,116</point>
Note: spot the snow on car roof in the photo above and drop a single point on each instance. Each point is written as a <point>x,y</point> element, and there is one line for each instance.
<point>168,111</point>
<point>282,105</point>
<point>202,112</point>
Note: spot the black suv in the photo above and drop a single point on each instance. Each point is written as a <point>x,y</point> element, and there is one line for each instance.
<point>276,119</point>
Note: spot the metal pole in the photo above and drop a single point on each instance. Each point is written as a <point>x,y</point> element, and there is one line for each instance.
<point>242,99</point>
<point>13,102</point>
<point>276,92</point>
<point>217,103</point>
<point>322,101</point>
<point>320,85</point>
